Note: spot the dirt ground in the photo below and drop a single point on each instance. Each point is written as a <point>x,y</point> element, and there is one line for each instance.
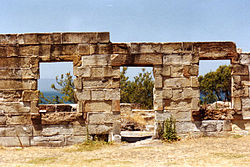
<point>206,151</point>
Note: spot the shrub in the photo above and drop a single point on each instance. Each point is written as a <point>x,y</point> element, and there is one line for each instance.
<point>167,131</point>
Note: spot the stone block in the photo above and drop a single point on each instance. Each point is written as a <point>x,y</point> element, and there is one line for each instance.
<point>95,60</point>
<point>17,130</point>
<point>15,141</point>
<point>177,94</point>
<point>28,38</point>
<point>186,127</point>
<point>19,120</point>
<point>120,48</point>
<point>246,108</point>
<point>183,105</point>
<point>8,38</point>
<point>14,107</point>
<point>84,49</point>
<point>69,50</point>
<point>117,127</point>
<point>79,130</point>
<point>181,115</point>
<point>98,106</point>
<point>70,140</point>
<point>170,48</point>
<point>177,83</point>
<point>104,48</point>
<point>3,120</point>
<point>18,62</point>
<point>51,141</point>
<point>162,116</point>
<point>166,71</point>
<point>29,50</point>
<point>167,93</point>
<point>78,83</point>
<point>45,38</point>
<point>88,37</point>
<point>158,81</point>
<point>177,59</point>
<point>191,70</point>
<point>112,94</point>
<point>99,129</point>
<point>18,85</point>
<point>104,83</point>
<point>194,82</point>
<point>190,93</point>
<point>212,126</point>
<point>195,103</point>
<point>136,59</point>
<point>245,58</point>
<point>19,73</point>
<point>238,69</point>
<point>150,48</point>
<point>240,92</point>
<point>98,95</point>
<point>102,118</point>
<point>236,103</point>
<point>30,95</point>
<point>176,71</point>
<point>60,118</point>
<point>115,105</point>
<point>54,130</point>
<point>84,71</point>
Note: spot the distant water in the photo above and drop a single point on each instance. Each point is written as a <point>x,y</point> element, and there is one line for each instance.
<point>50,94</point>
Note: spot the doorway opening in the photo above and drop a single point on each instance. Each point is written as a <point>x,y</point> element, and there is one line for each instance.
<point>136,103</point>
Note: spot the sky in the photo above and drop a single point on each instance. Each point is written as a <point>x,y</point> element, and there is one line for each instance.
<point>133,21</point>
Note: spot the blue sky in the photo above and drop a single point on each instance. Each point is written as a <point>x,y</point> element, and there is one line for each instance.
<point>133,20</point>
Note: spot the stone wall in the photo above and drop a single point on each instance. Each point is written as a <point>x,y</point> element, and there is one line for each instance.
<point>96,63</point>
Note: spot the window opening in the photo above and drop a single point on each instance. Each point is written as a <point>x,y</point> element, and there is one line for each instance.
<point>56,83</point>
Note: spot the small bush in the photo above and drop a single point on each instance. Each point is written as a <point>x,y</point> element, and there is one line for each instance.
<point>167,131</point>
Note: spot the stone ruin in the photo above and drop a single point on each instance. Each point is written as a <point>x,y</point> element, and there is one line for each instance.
<point>96,66</point>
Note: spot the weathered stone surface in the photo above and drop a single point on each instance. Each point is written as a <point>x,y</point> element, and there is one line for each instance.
<point>177,83</point>
<point>3,120</point>
<point>116,106</point>
<point>18,84</point>
<point>14,141</point>
<point>112,94</point>
<point>136,59</point>
<point>97,106</point>
<point>167,93</point>
<point>190,93</point>
<point>236,103</point>
<point>246,108</point>
<point>70,140</point>
<point>60,118</point>
<point>183,105</point>
<point>29,95</point>
<point>83,95</point>
<point>245,58</point>
<point>95,60</point>
<point>18,62</point>
<point>17,130</point>
<point>99,129</point>
<point>13,107</point>
<point>52,141</point>
<point>19,120</point>
<point>8,38</point>
<point>177,59</point>
<point>83,71</point>
<point>103,83</point>
<point>97,95</point>
<point>215,50</point>
<point>102,118</point>
<point>88,37</point>
<point>240,70</point>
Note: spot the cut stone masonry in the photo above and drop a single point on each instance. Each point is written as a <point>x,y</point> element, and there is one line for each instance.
<point>96,65</point>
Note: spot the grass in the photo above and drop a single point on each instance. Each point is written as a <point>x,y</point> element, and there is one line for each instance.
<point>209,151</point>
<point>89,145</point>
<point>43,160</point>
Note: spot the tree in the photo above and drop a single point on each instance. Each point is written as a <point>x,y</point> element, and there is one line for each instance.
<point>216,86</point>
<point>139,91</point>
<point>66,88</point>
